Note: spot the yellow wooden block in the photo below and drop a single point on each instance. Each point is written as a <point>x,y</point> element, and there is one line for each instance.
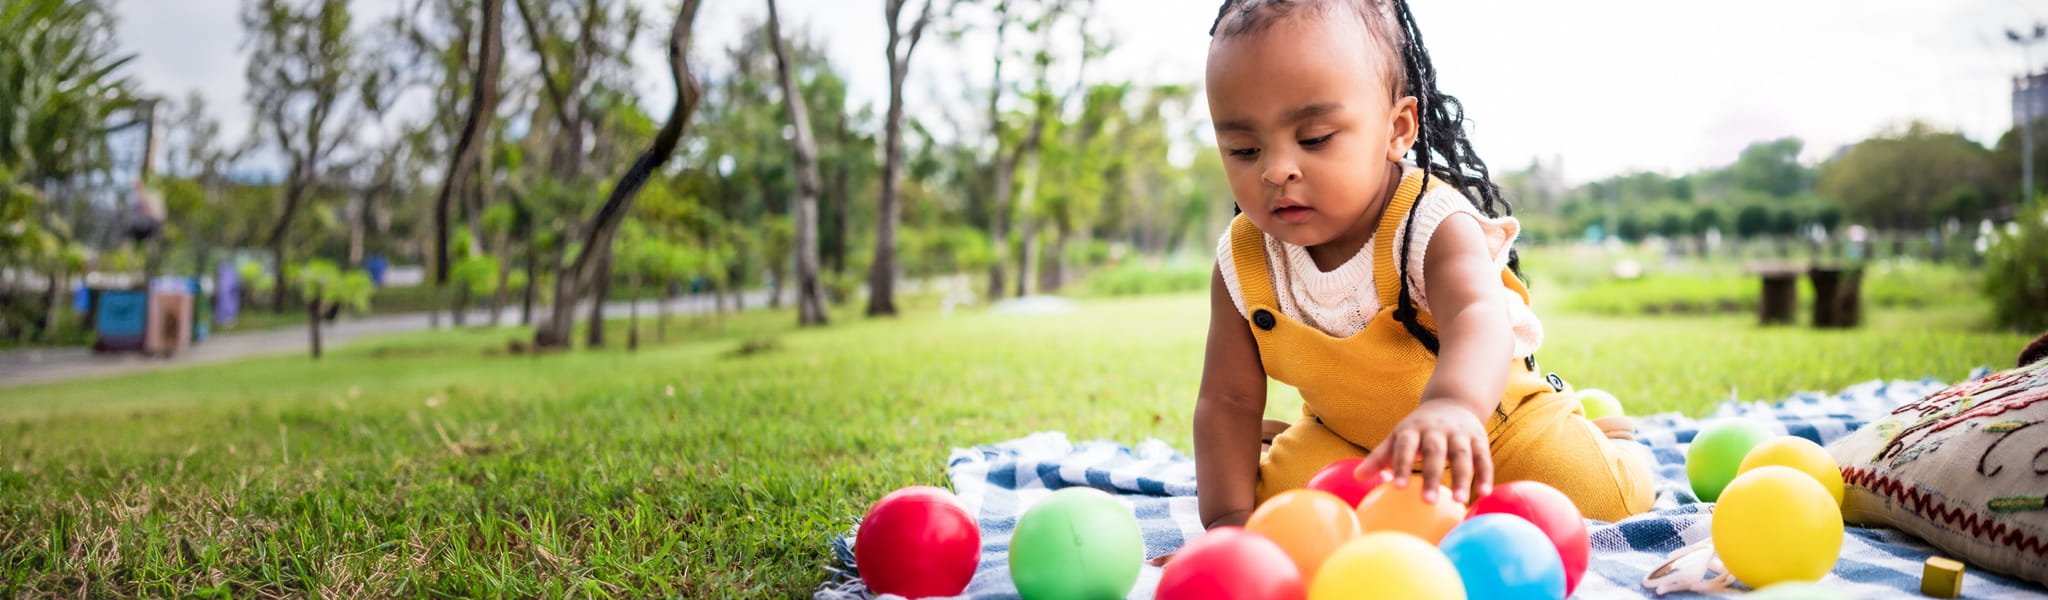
<point>1942,578</point>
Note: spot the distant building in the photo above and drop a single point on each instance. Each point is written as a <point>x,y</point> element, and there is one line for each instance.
<point>2029,97</point>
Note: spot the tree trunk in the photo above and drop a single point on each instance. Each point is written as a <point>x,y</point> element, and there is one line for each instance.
<point>313,323</point>
<point>593,336</point>
<point>53,304</point>
<point>571,280</point>
<point>483,101</point>
<point>532,282</point>
<point>882,274</point>
<point>633,313</point>
<point>460,311</point>
<point>498,297</point>
<point>1005,176</point>
<point>810,290</point>
<point>1053,275</point>
<point>1028,226</point>
<point>294,194</point>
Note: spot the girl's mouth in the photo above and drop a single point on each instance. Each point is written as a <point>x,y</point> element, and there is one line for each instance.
<point>1293,214</point>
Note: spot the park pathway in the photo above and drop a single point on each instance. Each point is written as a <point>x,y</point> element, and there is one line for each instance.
<point>45,365</point>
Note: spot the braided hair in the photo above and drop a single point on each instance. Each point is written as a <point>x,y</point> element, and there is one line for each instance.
<point>1442,148</point>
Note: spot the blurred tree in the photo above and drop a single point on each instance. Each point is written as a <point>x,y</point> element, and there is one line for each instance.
<point>63,81</point>
<point>902,43</point>
<point>1752,220</point>
<point>2006,158</point>
<point>324,286</point>
<point>810,291</point>
<point>1771,168</point>
<point>1910,179</point>
<point>467,159</point>
<point>306,87</point>
<point>585,69</point>
<point>580,275</point>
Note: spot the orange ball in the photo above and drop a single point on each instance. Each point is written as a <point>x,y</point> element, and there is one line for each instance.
<point>1308,524</point>
<point>1390,508</point>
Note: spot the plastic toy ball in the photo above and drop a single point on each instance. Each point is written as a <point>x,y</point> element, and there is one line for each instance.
<point>1308,524</point>
<point>1229,563</point>
<point>1717,452</point>
<point>1776,525</point>
<point>1798,591</point>
<point>1503,556</point>
<point>1551,511</point>
<point>1799,453</point>
<point>1387,565</point>
<point>1340,478</point>
<point>1401,509</point>
<point>1077,543</point>
<point>1598,403</point>
<point>917,542</point>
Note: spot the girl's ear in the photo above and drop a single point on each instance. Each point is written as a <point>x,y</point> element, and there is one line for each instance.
<point>1405,126</point>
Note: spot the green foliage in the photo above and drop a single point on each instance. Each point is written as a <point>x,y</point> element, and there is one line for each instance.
<point>478,274</point>
<point>1912,178</point>
<point>320,280</point>
<point>1142,277</point>
<point>253,276</point>
<point>2016,269</point>
<point>61,69</point>
<point>944,250</point>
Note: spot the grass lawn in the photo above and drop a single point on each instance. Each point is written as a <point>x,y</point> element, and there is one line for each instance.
<point>435,465</point>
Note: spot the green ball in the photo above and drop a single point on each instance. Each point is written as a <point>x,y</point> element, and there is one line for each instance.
<point>1078,543</point>
<point>1717,453</point>
<point>1599,403</point>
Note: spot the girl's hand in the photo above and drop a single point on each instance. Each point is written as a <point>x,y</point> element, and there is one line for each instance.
<point>1439,433</point>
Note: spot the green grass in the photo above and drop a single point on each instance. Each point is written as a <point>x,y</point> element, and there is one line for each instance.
<point>439,465</point>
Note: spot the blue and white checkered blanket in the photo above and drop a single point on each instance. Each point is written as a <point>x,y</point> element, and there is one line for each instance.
<point>998,482</point>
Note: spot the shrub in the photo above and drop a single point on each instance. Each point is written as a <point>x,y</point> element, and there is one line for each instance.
<point>2016,270</point>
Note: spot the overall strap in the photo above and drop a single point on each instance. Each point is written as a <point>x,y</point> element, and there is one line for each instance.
<point>1248,253</point>
<point>1386,271</point>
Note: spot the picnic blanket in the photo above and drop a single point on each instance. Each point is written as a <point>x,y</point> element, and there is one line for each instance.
<point>997,482</point>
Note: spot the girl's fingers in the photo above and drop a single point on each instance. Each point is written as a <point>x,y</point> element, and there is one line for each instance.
<point>1401,456</point>
<point>1459,455</point>
<point>1432,450</point>
<point>1482,468</point>
<point>1375,460</point>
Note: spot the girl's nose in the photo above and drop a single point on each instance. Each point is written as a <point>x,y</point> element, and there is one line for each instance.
<point>1281,172</point>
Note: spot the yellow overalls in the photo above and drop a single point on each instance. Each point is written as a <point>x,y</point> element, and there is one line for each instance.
<point>1355,389</point>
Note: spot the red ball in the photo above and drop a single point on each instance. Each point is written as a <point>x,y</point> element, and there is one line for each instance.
<point>917,542</point>
<point>1230,563</point>
<point>1340,478</point>
<point>1553,513</point>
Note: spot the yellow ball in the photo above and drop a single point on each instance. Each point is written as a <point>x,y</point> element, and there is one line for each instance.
<point>1798,453</point>
<point>1775,524</point>
<point>1387,564</point>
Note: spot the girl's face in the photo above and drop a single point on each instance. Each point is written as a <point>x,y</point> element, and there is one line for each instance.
<point>1310,134</point>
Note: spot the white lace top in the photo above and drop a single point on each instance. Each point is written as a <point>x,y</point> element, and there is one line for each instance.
<point>1342,301</point>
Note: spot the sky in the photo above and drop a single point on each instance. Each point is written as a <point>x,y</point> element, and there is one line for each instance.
<point>1608,86</point>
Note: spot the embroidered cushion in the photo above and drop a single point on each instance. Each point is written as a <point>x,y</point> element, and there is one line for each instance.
<point>1965,468</point>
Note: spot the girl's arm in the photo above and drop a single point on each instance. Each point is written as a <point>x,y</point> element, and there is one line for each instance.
<point>1228,412</point>
<point>1448,429</point>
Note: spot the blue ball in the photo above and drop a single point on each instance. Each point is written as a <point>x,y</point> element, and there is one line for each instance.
<point>1504,556</point>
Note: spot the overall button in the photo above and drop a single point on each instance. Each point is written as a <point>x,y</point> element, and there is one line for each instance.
<point>1530,361</point>
<point>1556,383</point>
<point>1263,319</point>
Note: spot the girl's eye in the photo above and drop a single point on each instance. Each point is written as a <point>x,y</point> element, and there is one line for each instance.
<point>1244,152</point>
<point>1313,142</point>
